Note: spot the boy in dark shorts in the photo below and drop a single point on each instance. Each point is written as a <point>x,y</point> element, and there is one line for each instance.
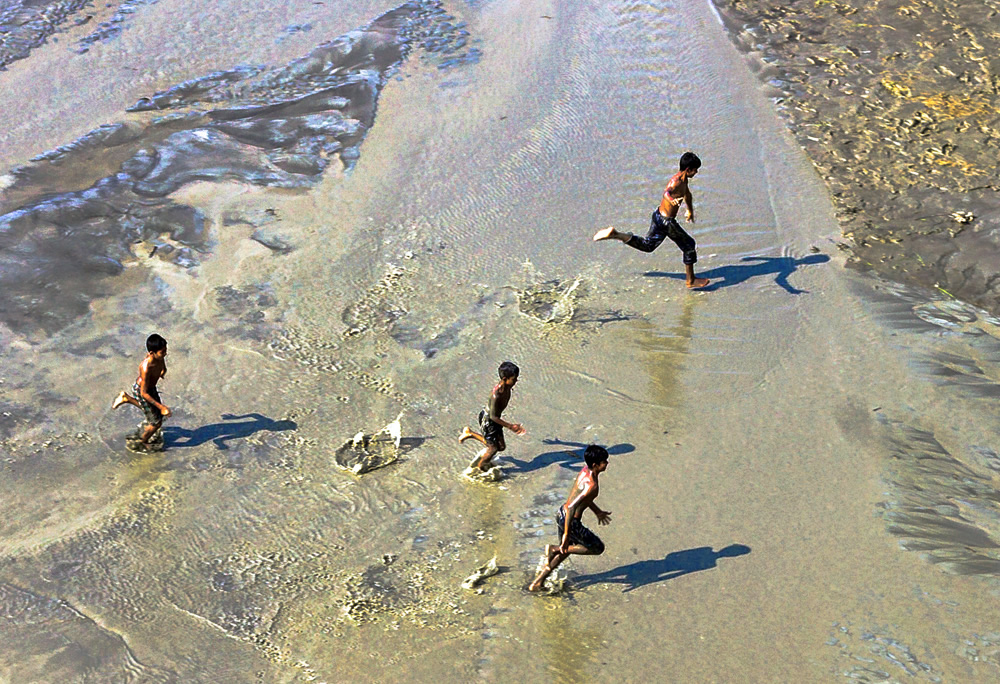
<point>574,537</point>
<point>664,222</point>
<point>145,396</point>
<point>490,421</point>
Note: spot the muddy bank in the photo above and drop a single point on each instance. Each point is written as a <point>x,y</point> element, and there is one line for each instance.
<point>72,218</point>
<point>28,24</point>
<point>896,104</point>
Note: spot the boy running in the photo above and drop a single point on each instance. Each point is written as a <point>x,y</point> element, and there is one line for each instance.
<point>490,421</point>
<point>573,536</point>
<point>152,368</point>
<point>664,222</point>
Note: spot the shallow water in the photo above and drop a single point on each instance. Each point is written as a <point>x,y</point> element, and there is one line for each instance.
<point>778,443</point>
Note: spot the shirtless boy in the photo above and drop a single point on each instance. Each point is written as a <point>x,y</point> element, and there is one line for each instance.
<point>152,368</point>
<point>490,421</point>
<point>664,222</point>
<point>574,537</point>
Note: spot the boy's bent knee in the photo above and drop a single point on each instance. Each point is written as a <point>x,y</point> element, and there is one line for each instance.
<point>642,245</point>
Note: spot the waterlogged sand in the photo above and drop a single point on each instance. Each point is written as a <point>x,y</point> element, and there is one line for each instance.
<point>804,468</point>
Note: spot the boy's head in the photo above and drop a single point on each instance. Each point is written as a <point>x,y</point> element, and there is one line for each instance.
<point>508,373</point>
<point>596,458</point>
<point>155,343</point>
<point>690,163</point>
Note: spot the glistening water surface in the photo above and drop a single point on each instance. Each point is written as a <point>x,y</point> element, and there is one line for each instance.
<point>361,221</point>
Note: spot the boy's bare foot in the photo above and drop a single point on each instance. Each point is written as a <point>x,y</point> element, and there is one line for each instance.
<point>119,400</point>
<point>466,434</point>
<point>698,282</point>
<point>604,234</point>
<point>537,585</point>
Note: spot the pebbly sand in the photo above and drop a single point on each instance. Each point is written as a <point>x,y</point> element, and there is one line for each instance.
<point>804,463</point>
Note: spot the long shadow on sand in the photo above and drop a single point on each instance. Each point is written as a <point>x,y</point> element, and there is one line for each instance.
<point>565,458</point>
<point>727,276</point>
<point>672,566</point>
<point>221,433</point>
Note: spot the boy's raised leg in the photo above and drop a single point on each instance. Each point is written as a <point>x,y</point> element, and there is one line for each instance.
<point>610,233</point>
<point>123,398</point>
<point>467,433</point>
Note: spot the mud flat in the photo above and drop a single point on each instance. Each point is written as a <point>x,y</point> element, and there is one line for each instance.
<point>803,472</point>
<point>896,104</point>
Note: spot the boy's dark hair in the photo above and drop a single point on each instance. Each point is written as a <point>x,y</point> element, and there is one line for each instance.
<point>508,369</point>
<point>690,161</point>
<point>595,455</point>
<point>155,343</point>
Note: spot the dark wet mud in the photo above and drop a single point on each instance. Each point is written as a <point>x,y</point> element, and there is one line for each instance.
<point>27,24</point>
<point>895,103</point>
<point>945,508</point>
<point>942,496</point>
<point>70,218</point>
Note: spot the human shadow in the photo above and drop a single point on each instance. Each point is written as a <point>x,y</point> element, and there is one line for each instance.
<point>565,459</point>
<point>727,276</point>
<point>221,433</point>
<point>672,566</point>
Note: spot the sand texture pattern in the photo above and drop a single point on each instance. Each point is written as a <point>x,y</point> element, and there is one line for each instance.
<point>343,216</point>
<point>896,104</point>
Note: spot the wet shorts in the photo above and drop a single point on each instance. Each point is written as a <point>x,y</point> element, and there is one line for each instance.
<point>578,533</point>
<point>153,415</point>
<point>661,227</point>
<point>492,432</point>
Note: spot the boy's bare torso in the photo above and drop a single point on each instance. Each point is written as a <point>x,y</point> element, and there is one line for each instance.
<point>675,193</point>
<point>585,489</point>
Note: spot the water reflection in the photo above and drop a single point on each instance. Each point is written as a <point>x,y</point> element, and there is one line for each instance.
<point>665,354</point>
<point>568,648</point>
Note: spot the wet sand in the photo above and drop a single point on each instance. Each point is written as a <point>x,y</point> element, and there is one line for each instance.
<point>895,103</point>
<point>803,471</point>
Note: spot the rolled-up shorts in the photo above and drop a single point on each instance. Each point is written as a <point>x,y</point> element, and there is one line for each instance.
<point>492,432</point>
<point>661,227</point>
<point>578,533</point>
<point>153,415</point>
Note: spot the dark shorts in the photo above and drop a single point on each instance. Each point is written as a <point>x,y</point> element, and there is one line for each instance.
<point>578,533</point>
<point>153,415</point>
<point>661,227</point>
<point>492,432</point>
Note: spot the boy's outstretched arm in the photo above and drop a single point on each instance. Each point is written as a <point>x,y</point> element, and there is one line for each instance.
<point>603,517</point>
